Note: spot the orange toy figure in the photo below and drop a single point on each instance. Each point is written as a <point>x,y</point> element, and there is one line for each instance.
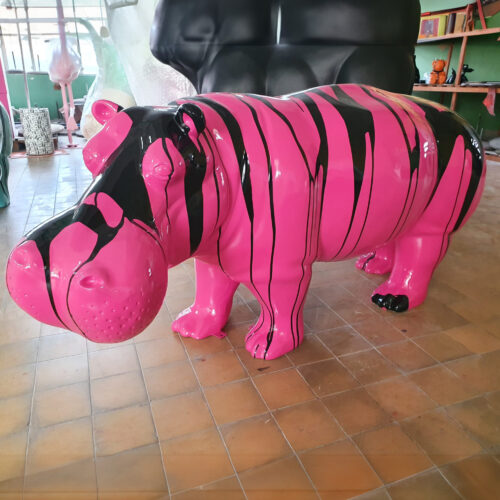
<point>438,76</point>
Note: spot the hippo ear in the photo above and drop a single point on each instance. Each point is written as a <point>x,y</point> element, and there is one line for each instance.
<point>190,120</point>
<point>103,110</point>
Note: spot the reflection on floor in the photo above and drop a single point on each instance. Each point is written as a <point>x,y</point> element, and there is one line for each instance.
<point>374,404</point>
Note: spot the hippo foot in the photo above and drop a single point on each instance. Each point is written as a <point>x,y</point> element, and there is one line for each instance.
<point>256,343</point>
<point>375,263</point>
<point>197,323</point>
<point>396,303</point>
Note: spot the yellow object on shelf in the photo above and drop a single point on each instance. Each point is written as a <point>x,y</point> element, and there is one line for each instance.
<point>431,26</point>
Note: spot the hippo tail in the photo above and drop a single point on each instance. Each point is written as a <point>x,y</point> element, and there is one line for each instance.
<point>468,166</point>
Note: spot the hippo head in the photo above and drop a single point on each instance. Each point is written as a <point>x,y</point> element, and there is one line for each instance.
<point>99,268</point>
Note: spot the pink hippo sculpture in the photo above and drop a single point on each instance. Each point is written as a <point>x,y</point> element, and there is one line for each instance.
<point>256,189</point>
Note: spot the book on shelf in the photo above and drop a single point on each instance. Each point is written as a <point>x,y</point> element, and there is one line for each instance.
<point>480,84</point>
<point>460,21</point>
<point>450,25</point>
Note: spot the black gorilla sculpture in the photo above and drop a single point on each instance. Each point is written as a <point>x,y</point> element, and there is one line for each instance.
<point>279,46</point>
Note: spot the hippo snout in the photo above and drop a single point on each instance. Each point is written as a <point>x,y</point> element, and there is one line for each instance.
<point>106,292</point>
<point>26,281</point>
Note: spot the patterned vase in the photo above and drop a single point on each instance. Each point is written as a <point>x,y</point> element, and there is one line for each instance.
<point>5,150</point>
<point>37,133</point>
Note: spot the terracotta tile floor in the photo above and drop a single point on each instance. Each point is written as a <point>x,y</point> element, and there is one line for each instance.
<point>372,404</point>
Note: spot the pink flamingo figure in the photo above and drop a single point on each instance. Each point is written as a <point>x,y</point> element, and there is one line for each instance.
<point>64,67</point>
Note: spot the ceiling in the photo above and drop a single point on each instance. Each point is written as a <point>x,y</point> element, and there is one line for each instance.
<point>51,3</point>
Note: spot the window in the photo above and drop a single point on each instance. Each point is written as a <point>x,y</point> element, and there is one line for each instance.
<point>40,28</point>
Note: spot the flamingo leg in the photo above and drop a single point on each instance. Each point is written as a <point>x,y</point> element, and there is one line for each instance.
<point>71,124</point>
<point>66,112</point>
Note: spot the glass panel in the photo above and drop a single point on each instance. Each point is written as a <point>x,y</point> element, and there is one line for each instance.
<point>42,12</point>
<point>41,51</point>
<point>7,13</point>
<point>43,32</point>
<point>89,62</point>
<point>13,52</point>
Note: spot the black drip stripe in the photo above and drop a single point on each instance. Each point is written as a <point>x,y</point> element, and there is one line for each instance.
<point>446,232</point>
<point>209,140</point>
<point>474,145</point>
<point>216,183</point>
<point>359,122</point>
<point>165,149</point>
<point>268,104</point>
<point>234,130</point>
<point>43,236</point>
<point>447,127</point>
<point>413,156</point>
<point>233,127</point>
<point>122,181</point>
<point>295,316</point>
<point>322,158</point>
<point>270,333</point>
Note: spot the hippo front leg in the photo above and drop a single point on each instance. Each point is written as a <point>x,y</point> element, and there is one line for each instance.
<point>380,261</point>
<point>210,311</point>
<point>280,328</point>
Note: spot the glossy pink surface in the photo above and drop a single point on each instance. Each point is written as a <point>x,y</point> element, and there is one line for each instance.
<point>256,189</point>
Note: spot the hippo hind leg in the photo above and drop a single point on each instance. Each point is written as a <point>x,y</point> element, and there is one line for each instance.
<point>380,261</point>
<point>419,250</point>
<point>416,257</point>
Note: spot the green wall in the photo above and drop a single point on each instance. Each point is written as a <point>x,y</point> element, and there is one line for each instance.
<point>430,5</point>
<point>483,55</point>
<point>42,92</point>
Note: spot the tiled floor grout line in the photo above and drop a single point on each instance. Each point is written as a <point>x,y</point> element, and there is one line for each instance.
<point>94,447</point>
<point>466,431</point>
<point>13,187</point>
<point>30,421</point>
<point>202,486</point>
<point>393,421</point>
<point>349,438</point>
<point>219,432</point>
<point>452,486</point>
<point>153,419</point>
<point>398,422</point>
<point>210,411</point>
<point>35,189</point>
<point>280,429</point>
<point>405,374</point>
<point>57,187</point>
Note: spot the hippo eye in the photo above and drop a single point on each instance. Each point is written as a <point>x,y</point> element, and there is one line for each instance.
<point>22,259</point>
<point>91,282</point>
<point>162,170</point>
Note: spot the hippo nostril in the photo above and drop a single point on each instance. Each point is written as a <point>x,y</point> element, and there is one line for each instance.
<point>91,282</point>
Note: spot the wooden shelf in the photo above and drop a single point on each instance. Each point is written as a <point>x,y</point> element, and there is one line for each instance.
<point>492,157</point>
<point>454,88</point>
<point>462,34</point>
